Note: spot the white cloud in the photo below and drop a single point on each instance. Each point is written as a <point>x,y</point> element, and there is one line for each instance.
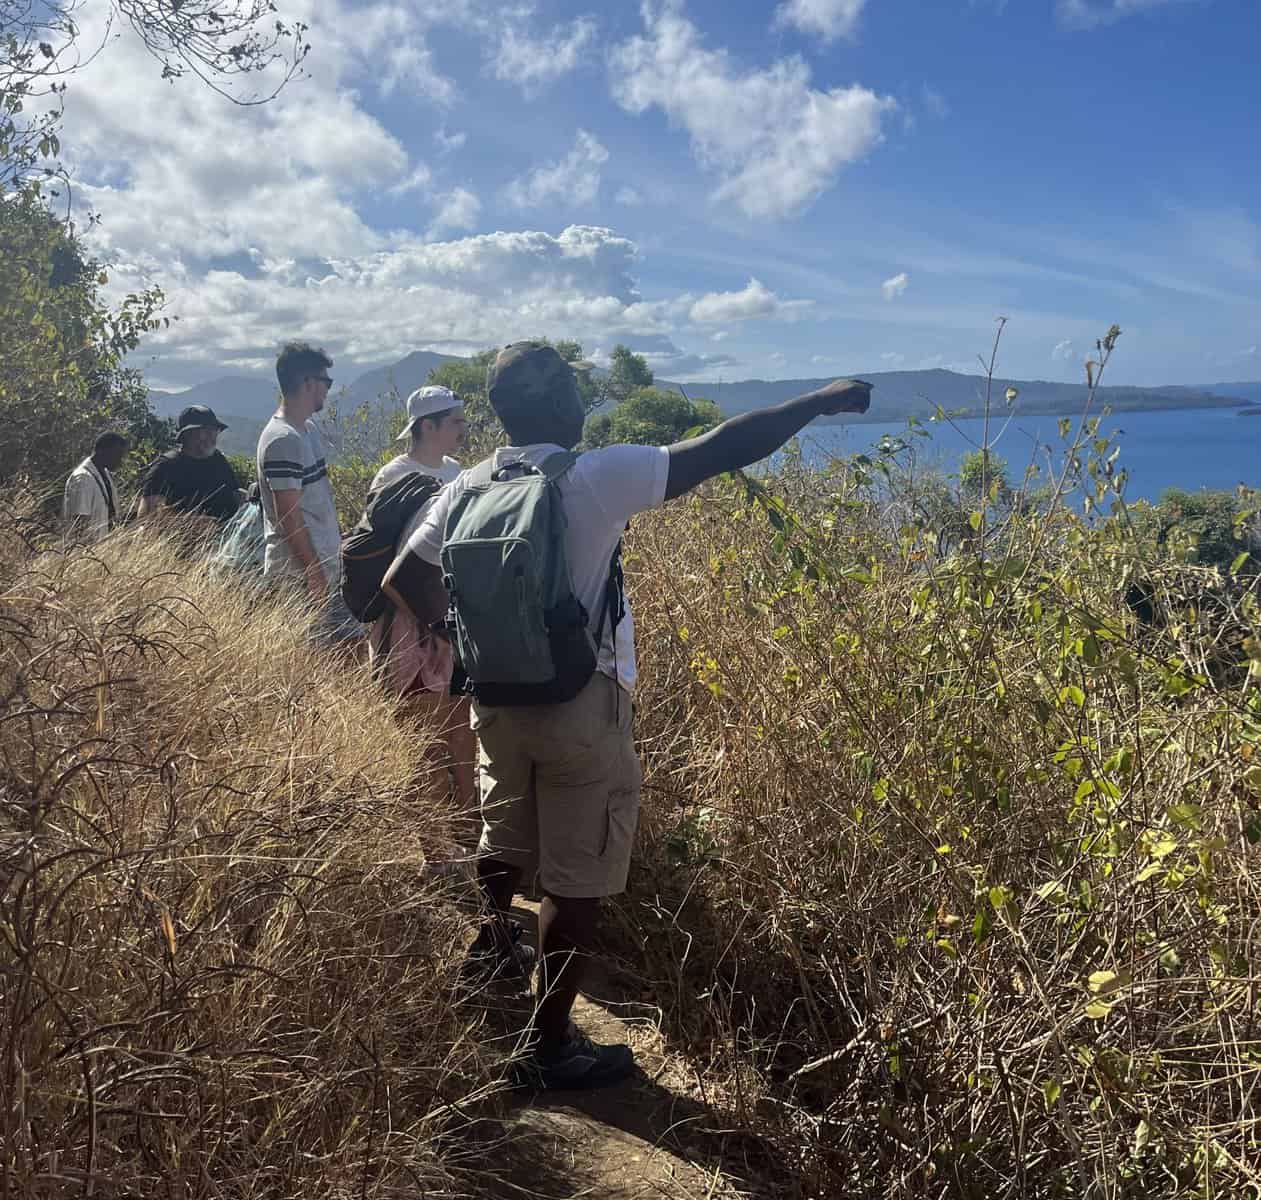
<point>418,181</point>
<point>573,180</point>
<point>447,142</point>
<point>629,197</point>
<point>1089,14</point>
<point>828,18</point>
<point>1063,350</point>
<point>533,63</point>
<point>754,300</point>
<point>775,141</point>
<point>458,296</point>
<point>459,210</point>
<point>894,287</point>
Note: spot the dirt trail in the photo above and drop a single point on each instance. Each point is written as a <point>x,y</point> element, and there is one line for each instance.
<point>649,1138</point>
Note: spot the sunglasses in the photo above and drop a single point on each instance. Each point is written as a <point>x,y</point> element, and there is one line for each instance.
<point>324,379</point>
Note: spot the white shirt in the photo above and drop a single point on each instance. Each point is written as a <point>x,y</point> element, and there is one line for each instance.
<point>405,464</point>
<point>292,458</point>
<point>85,503</point>
<point>600,493</point>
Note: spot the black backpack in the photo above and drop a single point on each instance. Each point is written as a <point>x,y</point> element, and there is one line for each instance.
<point>368,550</point>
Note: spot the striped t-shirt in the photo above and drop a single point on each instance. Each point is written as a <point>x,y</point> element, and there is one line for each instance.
<point>291,457</point>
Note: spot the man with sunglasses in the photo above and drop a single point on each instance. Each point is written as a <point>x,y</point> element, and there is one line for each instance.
<point>299,513</point>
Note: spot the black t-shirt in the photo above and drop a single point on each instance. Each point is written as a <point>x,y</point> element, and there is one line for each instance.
<point>205,485</point>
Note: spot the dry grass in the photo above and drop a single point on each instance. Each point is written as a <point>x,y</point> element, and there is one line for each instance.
<point>955,900</point>
<point>222,973</point>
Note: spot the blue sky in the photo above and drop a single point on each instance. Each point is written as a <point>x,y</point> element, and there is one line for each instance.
<point>738,189</point>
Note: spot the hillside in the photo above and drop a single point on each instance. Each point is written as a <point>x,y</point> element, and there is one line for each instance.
<point>901,394</point>
<point>245,401</point>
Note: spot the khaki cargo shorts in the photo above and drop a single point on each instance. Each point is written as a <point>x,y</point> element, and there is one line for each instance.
<point>560,789</point>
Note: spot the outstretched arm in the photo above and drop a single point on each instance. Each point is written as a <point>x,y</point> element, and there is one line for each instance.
<point>415,586</point>
<point>752,436</point>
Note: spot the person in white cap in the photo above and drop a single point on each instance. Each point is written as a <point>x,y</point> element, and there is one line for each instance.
<point>416,665</point>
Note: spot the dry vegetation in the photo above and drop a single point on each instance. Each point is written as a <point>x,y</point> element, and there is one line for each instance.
<point>947,881</point>
<point>949,866</point>
<point>222,973</point>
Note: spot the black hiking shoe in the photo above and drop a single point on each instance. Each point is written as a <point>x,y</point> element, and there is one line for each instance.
<point>580,1063</point>
<point>498,954</point>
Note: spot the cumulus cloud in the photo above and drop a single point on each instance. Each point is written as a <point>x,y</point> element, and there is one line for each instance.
<point>1063,350</point>
<point>573,180</point>
<point>754,300</point>
<point>459,210</point>
<point>830,19</point>
<point>532,63</point>
<point>1088,14</point>
<point>458,296</point>
<point>775,142</point>
<point>892,288</point>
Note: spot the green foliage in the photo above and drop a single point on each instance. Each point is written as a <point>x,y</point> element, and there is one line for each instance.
<point>652,417</point>
<point>62,373</point>
<point>1206,527</point>
<point>467,379</point>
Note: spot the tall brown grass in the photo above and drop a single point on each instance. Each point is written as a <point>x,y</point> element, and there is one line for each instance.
<point>949,866</point>
<point>223,972</point>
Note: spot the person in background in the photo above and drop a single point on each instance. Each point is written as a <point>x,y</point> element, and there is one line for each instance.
<point>561,782</point>
<point>89,506</point>
<point>415,664</point>
<point>299,511</point>
<point>195,478</point>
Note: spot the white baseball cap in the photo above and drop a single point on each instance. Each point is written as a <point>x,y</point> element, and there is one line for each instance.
<point>426,401</point>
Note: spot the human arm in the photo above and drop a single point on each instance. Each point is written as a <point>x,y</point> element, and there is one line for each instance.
<point>414,581</point>
<point>153,490</point>
<point>77,506</point>
<point>415,587</point>
<point>297,537</point>
<point>752,436</point>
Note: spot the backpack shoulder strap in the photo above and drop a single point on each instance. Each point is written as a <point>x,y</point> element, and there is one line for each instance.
<point>555,465</point>
<point>480,476</point>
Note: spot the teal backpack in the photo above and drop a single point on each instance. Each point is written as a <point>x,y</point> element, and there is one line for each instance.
<point>522,636</point>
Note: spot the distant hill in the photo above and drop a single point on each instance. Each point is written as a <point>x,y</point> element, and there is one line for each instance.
<point>246,401</point>
<point>404,376</point>
<point>1245,391</point>
<point>897,395</point>
<point>231,395</point>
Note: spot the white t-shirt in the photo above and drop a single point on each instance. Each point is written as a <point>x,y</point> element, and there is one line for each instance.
<point>600,493</point>
<point>405,464</point>
<point>87,499</point>
<point>290,458</point>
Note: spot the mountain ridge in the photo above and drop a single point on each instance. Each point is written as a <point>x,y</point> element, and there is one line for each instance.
<point>245,402</point>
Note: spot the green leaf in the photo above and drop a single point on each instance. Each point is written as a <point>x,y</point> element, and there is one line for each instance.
<point>1073,694</point>
<point>1142,1135</point>
<point>1239,563</point>
<point>1051,1090</point>
<point>1096,1010</point>
<point>1103,983</point>
<point>1186,815</point>
<point>974,519</point>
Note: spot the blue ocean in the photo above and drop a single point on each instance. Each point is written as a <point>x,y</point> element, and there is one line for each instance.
<point>1175,448</point>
